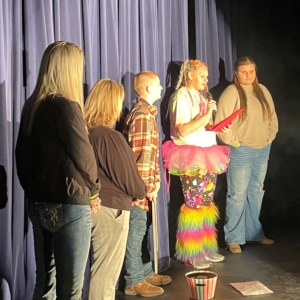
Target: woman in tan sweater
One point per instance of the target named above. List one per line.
(250, 139)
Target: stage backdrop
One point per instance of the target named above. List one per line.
(119, 38)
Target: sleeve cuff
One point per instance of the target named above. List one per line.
(94, 197)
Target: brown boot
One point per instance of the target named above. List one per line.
(144, 289)
(157, 279)
(234, 248)
(266, 241)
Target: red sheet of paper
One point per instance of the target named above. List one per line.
(224, 123)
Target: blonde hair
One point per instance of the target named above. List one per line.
(188, 66)
(104, 103)
(60, 73)
(142, 80)
(257, 91)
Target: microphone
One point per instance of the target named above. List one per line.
(209, 97)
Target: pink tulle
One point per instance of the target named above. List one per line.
(192, 160)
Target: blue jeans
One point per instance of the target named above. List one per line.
(245, 182)
(136, 271)
(62, 235)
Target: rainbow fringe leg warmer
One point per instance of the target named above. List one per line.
(196, 232)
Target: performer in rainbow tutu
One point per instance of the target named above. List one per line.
(194, 155)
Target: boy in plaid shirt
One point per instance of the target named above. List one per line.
(141, 131)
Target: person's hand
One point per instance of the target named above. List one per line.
(208, 126)
(226, 129)
(135, 201)
(211, 106)
(152, 196)
(95, 205)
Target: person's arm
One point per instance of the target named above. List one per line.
(74, 136)
(273, 122)
(153, 195)
(185, 122)
(24, 159)
(199, 121)
(139, 139)
(227, 104)
(273, 127)
(118, 161)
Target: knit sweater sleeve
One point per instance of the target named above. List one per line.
(273, 122)
(227, 104)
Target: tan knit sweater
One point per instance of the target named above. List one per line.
(255, 131)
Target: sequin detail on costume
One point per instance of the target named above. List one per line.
(198, 190)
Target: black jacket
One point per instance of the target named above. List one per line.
(117, 170)
(56, 162)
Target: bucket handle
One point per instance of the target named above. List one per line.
(200, 284)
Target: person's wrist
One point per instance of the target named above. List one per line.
(94, 197)
(237, 145)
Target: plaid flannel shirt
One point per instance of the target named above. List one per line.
(141, 131)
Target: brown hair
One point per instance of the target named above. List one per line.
(257, 91)
(104, 103)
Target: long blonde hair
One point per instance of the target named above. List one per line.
(104, 103)
(257, 91)
(60, 73)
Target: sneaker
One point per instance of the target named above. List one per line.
(157, 279)
(201, 264)
(215, 257)
(144, 289)
(234, 248)
(266, 241)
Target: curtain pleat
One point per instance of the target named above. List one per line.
(213, 38)
(179, 33)
(16, 251)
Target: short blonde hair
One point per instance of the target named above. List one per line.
(104, 103)
(142, 80)
(60, 73)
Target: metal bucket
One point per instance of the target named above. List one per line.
(202, 284)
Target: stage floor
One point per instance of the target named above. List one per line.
(276, 266)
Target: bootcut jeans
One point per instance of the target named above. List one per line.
(245, 190)
(62, 235)
(136, 270)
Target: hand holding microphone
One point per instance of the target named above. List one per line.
(211, 104)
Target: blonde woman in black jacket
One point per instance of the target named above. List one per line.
(57, 170)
